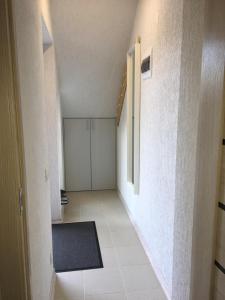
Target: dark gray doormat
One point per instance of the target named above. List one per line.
(76, 247)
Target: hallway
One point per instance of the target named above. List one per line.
(112, 113)
(127, 274)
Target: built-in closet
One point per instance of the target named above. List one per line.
(90, 153)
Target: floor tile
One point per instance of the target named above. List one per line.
(118, 221)
(125, 237)
(92, 215)
(104, 237)
(131, 255)
(69, 286)
(139, 278)
(155, 294)
(107, 297)
(109, 257)
(91, 208)
(102, 281)
(73, 216)
(113, 205)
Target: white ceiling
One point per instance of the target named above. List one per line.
(91, 39)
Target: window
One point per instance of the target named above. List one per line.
(133, 114)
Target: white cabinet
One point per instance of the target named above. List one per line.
(90, 154)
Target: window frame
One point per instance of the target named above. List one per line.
(133, 134)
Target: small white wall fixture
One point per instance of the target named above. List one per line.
(133, 114)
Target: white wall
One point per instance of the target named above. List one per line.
(28, 29)
(53, 121)
(159, 24)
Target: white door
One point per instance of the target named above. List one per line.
(103, 153)
(77, 139)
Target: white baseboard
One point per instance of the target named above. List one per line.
(146, 248)
(52, 288)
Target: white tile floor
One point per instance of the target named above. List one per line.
(127, 273)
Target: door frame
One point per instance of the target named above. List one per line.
(218, 190)
(17, 120)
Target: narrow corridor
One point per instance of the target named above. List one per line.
(127, 273)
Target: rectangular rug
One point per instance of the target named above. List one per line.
(76, 247)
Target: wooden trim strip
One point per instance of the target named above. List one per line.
(121, 97)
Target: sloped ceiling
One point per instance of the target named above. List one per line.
(91, 39)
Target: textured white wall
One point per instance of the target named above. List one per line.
(180, 140)
(53, 121)
(159, 24)
(187, 134)
(31, 78)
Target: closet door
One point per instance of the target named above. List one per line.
(103, 153)
(77, 154)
